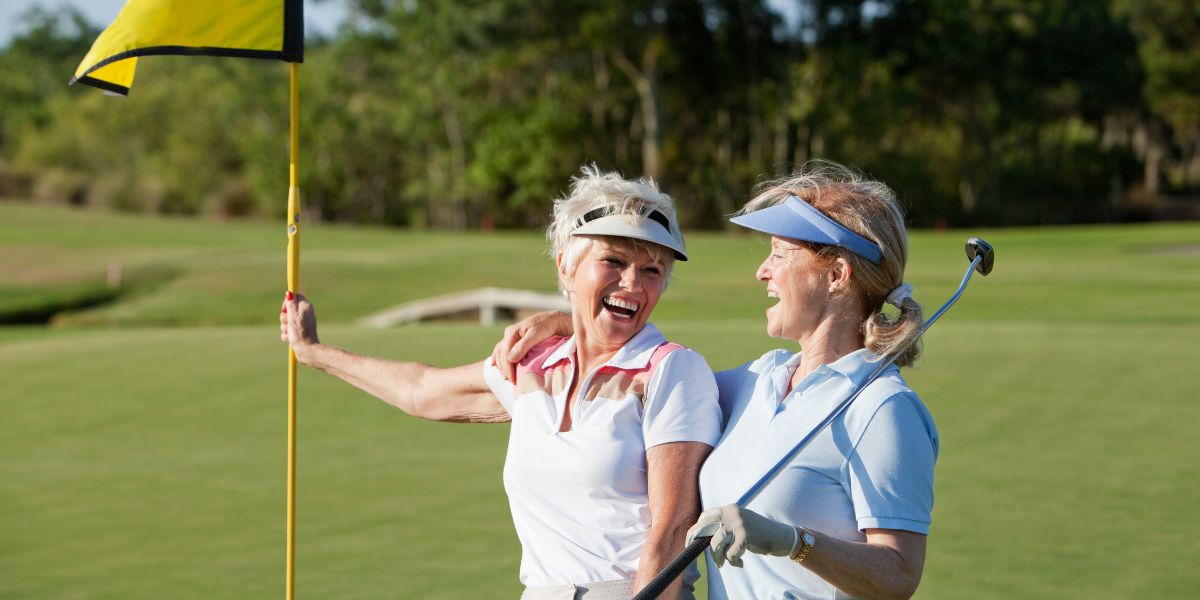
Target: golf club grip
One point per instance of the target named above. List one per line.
(673, 569)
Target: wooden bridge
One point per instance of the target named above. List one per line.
(488, 304)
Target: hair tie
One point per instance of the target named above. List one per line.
(897, 296)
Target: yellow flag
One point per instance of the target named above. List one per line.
(240, 28)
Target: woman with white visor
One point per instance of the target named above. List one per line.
(850, 515)
(609, 426)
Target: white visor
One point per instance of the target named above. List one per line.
(638, 227)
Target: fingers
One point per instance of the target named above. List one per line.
(521, 337)
(284, 321)
(706, 526)
(500, 359)
(504, 355)
(712, 523)
(294, 308)
(736, 549)
(521, 347)
(734, 535)
(719, 544)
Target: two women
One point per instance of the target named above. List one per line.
(609, 426)
(849, 516)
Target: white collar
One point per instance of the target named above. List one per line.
(634, 355)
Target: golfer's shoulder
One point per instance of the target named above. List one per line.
(536, 359)
(675, 356)
(747, 374)
(889, 403)
(673, 363)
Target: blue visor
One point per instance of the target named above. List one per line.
(798, 220)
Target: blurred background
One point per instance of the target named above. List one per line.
(143, 387)
(467, 115)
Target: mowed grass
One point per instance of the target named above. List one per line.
(147, 461)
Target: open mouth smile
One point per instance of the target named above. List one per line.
(621, 309)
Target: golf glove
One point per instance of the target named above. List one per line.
(735, 530)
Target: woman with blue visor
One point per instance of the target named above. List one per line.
(849, 516)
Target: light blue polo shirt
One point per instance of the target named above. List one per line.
(871, 468)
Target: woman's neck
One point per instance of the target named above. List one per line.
(833, 338)
(590, 353)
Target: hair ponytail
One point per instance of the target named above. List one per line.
(885, 335)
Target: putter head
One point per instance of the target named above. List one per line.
(978, 247)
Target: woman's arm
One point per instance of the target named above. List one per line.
(888, 565)
(457, 394)
(672, 471)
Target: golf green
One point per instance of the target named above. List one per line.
(144, 440)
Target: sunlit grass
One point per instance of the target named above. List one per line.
(148, 462)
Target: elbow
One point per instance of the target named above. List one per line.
(897, 582)
(419, 400)
(910, 588)
(903, 587)
(899, 591)
(907, 591)
(414, 406)
(669, 537)
(903, 591)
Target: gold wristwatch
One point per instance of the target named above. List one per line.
(807, 541)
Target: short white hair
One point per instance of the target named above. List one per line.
(593, 189)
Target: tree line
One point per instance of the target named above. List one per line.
(452, 114)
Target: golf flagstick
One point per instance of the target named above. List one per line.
(293, 286)
(981, 255)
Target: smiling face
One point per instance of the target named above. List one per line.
(801, 281)
(613, 290)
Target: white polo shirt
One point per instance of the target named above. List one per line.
(579, 498)
(871, 468)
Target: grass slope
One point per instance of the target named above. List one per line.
(148, 462)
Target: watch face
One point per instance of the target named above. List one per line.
(809, 538)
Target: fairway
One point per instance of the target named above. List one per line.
(144, 439)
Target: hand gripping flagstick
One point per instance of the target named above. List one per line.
(981, 255)
(293, 283)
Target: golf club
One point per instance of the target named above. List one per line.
(982, 255)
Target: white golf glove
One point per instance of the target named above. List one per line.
(735, 530)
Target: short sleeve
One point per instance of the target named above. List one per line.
(681, 401)
(504, 389)
(890, 473)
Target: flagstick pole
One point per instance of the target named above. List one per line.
(293, 281)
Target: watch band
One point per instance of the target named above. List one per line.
(805, 542)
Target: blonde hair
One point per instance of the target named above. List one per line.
(868, 208)
(593, 189)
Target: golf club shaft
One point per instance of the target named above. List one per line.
(673, 569)
(696, 548)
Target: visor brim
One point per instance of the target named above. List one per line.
(798, 220)
(629, 226)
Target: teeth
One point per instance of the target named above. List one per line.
(622, 304)
(772, 294)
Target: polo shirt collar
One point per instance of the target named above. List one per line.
(855, 367)
(858, 365)
(634, 355)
